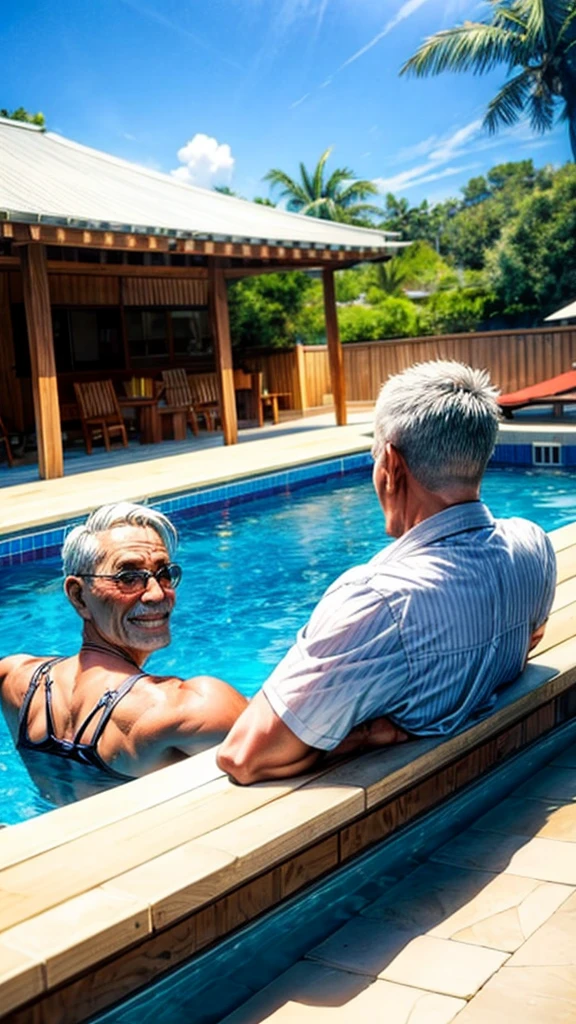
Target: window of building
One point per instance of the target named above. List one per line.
(147, 332)
(87, 339)
(84, 339)
(191, 333)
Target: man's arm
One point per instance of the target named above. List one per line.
(260, 746)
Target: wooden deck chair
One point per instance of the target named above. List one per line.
(248, 388)
(6, 440)
(176, 392)
(99, 412)
(205, 397)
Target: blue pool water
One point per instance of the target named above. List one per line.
(253, 572)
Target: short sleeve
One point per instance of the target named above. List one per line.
(339, 670)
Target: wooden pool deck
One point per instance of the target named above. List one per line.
(143, 472)
(102, 897)
(148, 471)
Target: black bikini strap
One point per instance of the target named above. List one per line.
(48, 697)
(107, 703)
(32, 687)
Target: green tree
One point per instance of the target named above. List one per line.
(390, 276)
(225, 190)
(338, 197)
(263, 309)
(538, 37)
(532, 269)
(20, 114)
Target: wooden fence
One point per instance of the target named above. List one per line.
(514, 360)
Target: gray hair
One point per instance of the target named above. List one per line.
(82, 552)
(443, 417)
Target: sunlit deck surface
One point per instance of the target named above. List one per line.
(145, 471)
(101, 897)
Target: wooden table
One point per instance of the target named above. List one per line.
(270, 400)
(149, 424)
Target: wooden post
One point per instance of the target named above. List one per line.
(300, 396)
(222, 350)
(44, 383)
(334, 347)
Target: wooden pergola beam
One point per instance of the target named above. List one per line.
(334, 347)
(218, 300)
(42, 359)
(295, 255)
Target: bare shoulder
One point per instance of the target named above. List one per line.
(182, 707)
(213, 698)
(14, 662)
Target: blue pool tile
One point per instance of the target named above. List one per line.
(45, 543)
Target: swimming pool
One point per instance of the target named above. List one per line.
(253, 572)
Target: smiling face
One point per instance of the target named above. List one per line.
(139, 623)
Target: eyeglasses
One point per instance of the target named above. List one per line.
(134, 581)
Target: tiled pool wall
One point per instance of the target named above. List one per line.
(31, 545)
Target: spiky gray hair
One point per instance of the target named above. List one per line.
(82, 552)
(443, 417)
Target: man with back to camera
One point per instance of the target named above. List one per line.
(419, 640)
(99, 708)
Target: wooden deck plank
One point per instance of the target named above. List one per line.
(21, 978)
(271, 834)
(69, 938)
(177, 882)
(566, 561)
(29, 838)
(565, 594)
(43, 881)
(255, 842)
(559, 628)
(563, 537)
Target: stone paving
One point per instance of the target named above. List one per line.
(483, 933)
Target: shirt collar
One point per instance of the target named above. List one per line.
(470, 515)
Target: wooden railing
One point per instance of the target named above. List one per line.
(514, 360)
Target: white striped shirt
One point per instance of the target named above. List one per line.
(425, 633)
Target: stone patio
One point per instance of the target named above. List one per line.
(483, 933)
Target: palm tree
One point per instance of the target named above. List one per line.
(337, 198)
(390, 277)
(536, 36)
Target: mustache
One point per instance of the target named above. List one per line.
(145, 612)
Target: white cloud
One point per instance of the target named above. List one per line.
(462, 143)
(407, 8)
(451, 146)
(205, 162)
(298, 102)
(418, 176)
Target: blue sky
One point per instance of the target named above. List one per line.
(219, 91)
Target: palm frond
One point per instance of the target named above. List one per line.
(543, 21)
(507, 105)
(472, 46)
(288, 187)
(357, 208)
(357, 190)
(541, 109)
(333, 186)
(319, 172)
(307, 183)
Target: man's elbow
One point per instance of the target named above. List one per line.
(241, 769)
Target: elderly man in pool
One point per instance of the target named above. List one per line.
(100, 707)
(418, 641)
